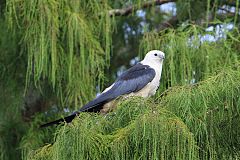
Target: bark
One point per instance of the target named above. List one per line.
(133, 8)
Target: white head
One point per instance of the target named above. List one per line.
(154, 56)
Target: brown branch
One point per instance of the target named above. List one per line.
(131, 9)
(225, 9)
(171, 23)
(229, 3)
(224, 16)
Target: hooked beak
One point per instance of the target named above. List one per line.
(162, 57)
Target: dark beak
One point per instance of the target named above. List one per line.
(162, 57)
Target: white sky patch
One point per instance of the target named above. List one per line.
(215, 33)
(226, 9)
(207, 37)
(169, 8)
(141, 13)
(98, 90)
(127, 29)
(66, 110)
(220, 31)
(121, 70)
(144, 26)
(209, 29)
(134, 61)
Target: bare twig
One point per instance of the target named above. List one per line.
(229, 3)
(171, 23)
(131, 9)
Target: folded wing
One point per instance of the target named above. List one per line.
(132, 80)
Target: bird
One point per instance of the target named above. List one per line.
(142, 80)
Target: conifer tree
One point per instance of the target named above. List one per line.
(55, 55)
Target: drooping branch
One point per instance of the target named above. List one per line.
(133, 8)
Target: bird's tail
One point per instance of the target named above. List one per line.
(92, 106)
(65, 119)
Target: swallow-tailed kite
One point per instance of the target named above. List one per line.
(140, 80)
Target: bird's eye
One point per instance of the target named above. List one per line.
(155, 54)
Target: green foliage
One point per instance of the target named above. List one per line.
(190, 122)
(62, 48)
(51, 45)
(34, 137)
(67, 44)
(188, 58)
(211, 109)
(191, 9)
(12, 78)
(137, 127)
(11, 125)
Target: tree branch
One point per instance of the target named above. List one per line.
(171, 23)
(131, 9)
(230, 3)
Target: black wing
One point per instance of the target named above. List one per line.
(132, 80)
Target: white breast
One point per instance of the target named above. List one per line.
(151, 88)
